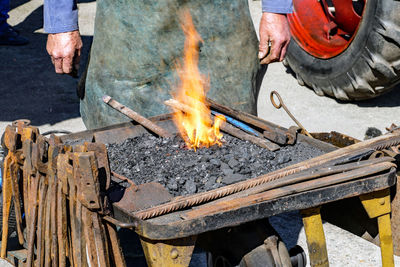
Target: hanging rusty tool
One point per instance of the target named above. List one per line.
(7, 190)
(282, 105)
(136, 116)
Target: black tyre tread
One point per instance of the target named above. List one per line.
(375, 70)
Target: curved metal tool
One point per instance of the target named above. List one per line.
(282, 105)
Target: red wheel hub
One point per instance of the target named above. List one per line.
(325, 28)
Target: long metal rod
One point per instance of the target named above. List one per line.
(336, 156)
(290, 189)
(236, 132)
(135, 116)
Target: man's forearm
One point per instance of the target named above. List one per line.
(277, 6)
(60, 16)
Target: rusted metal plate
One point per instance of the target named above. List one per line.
(336, 139)
(86, 178)
(143, 196)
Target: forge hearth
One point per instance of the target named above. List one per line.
(182, 171)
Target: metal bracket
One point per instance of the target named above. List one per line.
(177, 252)
(377, 205)
(315, 237)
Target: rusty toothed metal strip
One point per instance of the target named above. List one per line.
(334, 157)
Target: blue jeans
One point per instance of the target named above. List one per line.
(4, 9)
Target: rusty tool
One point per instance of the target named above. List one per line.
(9, 187)
(28, 136)
(7, 195)
(53, 152)
(86, 177)
(227, 127)
(118, 256)
(282, 105)
(89, 237)
(341, 155)
(136, 116)
(64, 169)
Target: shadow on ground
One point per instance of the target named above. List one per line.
(29, 87)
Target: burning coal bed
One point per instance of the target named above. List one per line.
(182, 171)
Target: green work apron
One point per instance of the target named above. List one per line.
(137, 43)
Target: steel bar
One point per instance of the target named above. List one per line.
(290, 189)
(136, 116)
(337, 156)
(236, 132)
(227, 127)
(304, 176)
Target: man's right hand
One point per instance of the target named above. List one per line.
(65, 51)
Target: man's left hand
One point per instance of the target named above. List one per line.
(274, 29)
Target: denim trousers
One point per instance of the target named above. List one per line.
(4, 9)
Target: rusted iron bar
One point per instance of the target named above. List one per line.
(290, 189)
(303, 176)
(136, 116)
(119, 223)
(271, 131)
(236, 132)
(123, 178)
(334, 157)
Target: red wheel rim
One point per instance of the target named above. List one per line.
(325, 28)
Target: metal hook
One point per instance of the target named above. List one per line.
(282, 105)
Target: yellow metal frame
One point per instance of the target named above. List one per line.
(168, 253)
(376, 204)
(315, 237)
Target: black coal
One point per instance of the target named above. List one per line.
(183, 172)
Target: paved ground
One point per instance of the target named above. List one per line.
(31, 90)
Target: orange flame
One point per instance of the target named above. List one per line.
(196, 126)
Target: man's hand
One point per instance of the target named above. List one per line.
(65, 51)
(274, 29)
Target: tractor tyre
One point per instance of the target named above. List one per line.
(343, 58)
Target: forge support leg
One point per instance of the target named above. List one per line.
(377, 205)
(315, 237)
(166, 253)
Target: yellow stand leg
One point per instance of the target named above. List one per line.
(168, 253)
(315, 237)
(377, 205)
